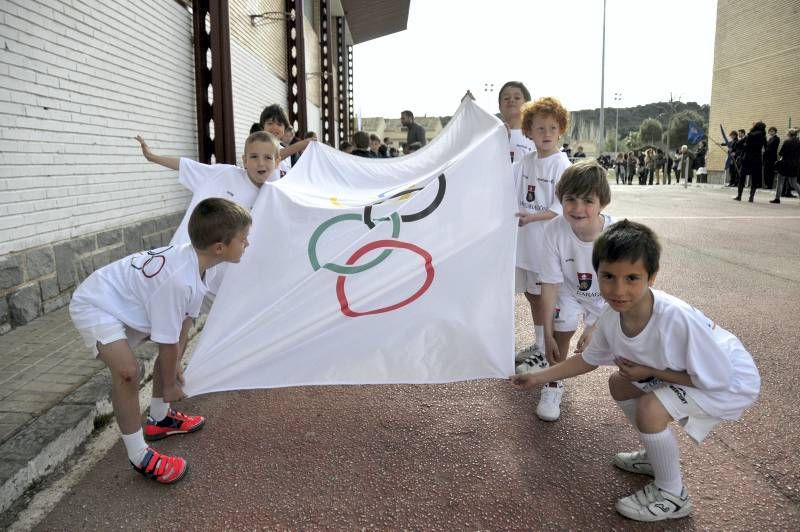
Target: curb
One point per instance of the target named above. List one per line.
(52, 438)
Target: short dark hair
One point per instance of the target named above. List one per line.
(373, 136)
(583, 179)
(516, 84)
(773, 128)
(216, 220)
(262, 136)
(255, 127)
(628, 241)
(407, 113)
(361, 140)
(275, 113)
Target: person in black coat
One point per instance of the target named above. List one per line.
(752, 162)
(788, 166)
(770, 156)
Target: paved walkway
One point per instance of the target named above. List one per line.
(52, 395)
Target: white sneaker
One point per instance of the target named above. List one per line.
(651, 503)
(635, 462)
(533, 361)
(549, 408)
(522, 354)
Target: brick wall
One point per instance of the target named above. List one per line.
(42, 279)
(756, 68)
(254, 87)
(78, 80)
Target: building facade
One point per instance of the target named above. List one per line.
(756, 70)
(79, 80)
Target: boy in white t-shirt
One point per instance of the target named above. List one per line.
(536, 176)
(675, 364)
(151, 294)
(513, 95)
(240, 185)
(569, 282)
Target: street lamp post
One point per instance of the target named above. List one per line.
(602, 87)
(617, 103)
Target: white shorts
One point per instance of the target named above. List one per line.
(97, 326)
(678, 402)
(527, 281)
(569, 310)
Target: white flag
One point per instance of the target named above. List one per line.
(373, 270)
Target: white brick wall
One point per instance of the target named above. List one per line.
(254, 87)
(78, 80)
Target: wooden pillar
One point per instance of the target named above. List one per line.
(296, 66)
(213, 91)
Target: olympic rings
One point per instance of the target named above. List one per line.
(350, 268)
(429, 272)
(409, 217)
(338, 268)
(154, 270)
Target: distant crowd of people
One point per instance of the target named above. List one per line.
(653, 166)
(756, 157)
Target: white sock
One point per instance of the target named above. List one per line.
(539, 330)
(664, 455)
(136, 446)
(158, 409)
(628, 407)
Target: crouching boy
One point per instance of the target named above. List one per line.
(675, 364)
(151, 294)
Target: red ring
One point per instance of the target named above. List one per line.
(160, 266)
(345, 305)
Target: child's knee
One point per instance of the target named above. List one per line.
(621, 389)
(651, 416)
(127, 373)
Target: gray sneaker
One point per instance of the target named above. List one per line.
(635, 462)
(522, 354)
(533, 361)
(651, 503)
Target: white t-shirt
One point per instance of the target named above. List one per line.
(567, 260)
(212, 181)
(535, 179)
(519, 145)
(150, 291)
(681, 338)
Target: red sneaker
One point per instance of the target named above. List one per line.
(174, 423)
(162, 468)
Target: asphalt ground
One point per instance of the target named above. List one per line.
(473, 455)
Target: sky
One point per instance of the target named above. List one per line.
(654, 48)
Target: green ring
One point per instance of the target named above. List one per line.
(338, 268)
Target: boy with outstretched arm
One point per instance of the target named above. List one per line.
(675, 364)
(240, 185)
(569, 282)
(150, 294)
(536, 176)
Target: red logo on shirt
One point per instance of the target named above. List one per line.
(584, 281)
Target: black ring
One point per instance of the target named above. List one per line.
(409, 217)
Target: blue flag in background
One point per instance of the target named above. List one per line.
(695, 133)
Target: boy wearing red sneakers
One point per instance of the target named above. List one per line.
(674, 364)
(150, 294)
